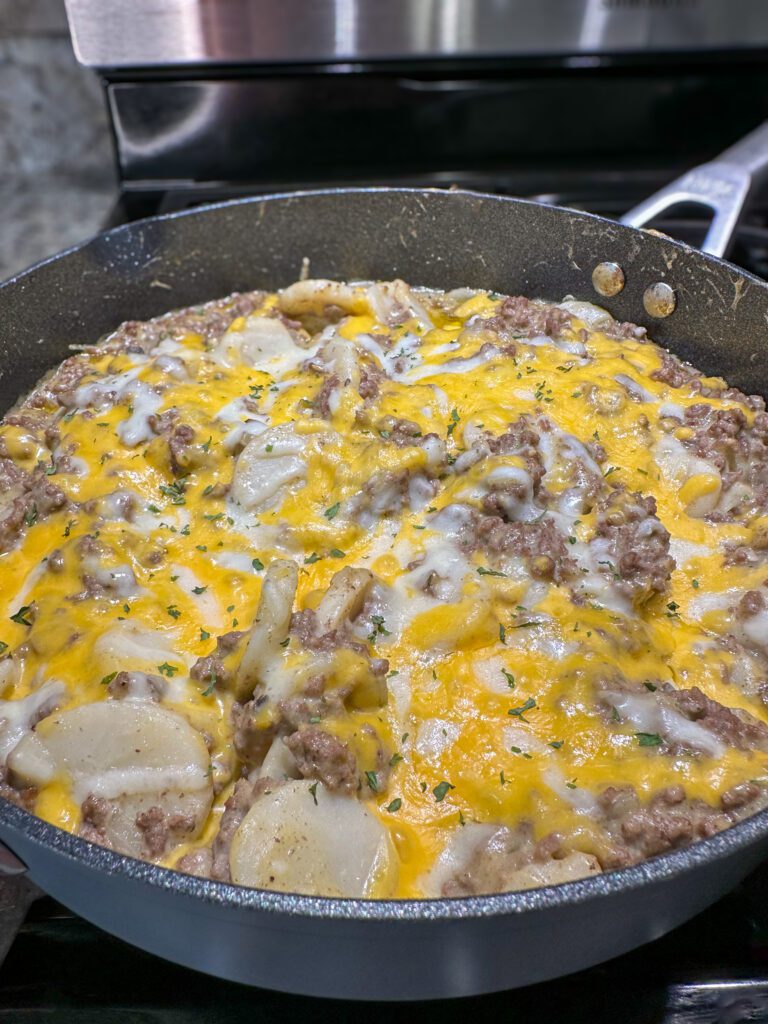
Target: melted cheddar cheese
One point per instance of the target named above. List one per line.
(526, 619)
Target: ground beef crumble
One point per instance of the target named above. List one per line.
(25, 498)
(210, 321)
(668, 821)
(634, 543)
(213, 861)
(733, 726)
(520, 317)
(320, 755)
(679, 374)
(158, 829)
(540, 543)
(211, 669)
(23, 796)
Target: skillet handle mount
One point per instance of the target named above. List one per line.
(724, 185)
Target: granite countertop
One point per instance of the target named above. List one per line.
(46, 212)
(58, 181)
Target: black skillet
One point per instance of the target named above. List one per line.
(699, 306)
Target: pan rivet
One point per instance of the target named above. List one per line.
(659, 300)
(608, 279)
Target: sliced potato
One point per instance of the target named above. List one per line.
(267, 343)
(134, 756)
(263, 342)
(297, 839)
(267, 464)
(9, 673)
(123, 833)
(266, 340)
(279, 763)
(17, 716)
(314, 296)
(392, 301)
(553, 872)
(344, 598)
(342, 358)
(111, 748)
(595, 317)
(260, 663)
(485, 858)
(128, 646)
(461, 845)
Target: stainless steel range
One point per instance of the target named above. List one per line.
(590, 103)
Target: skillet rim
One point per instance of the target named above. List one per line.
(663, 868)
(640, 234)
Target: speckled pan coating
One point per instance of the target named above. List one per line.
(385, 949)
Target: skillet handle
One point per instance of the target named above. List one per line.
(724, 185)
(16, 895)
(10, 865)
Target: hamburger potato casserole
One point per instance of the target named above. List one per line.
(366, 590)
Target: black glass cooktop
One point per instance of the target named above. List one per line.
(713, 970)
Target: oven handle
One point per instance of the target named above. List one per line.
(725, 184)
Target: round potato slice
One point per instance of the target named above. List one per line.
(114, 748)
(130, 647)
(144, 768)
(553, 872)
(298, 839)
(268, 463)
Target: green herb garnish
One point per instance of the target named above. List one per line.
(441, 789)
(378, 628)
(519, 712)
(20, 615)
(648, 739)
(175, 492)
(509, 677)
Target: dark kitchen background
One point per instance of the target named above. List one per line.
(588, 103)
